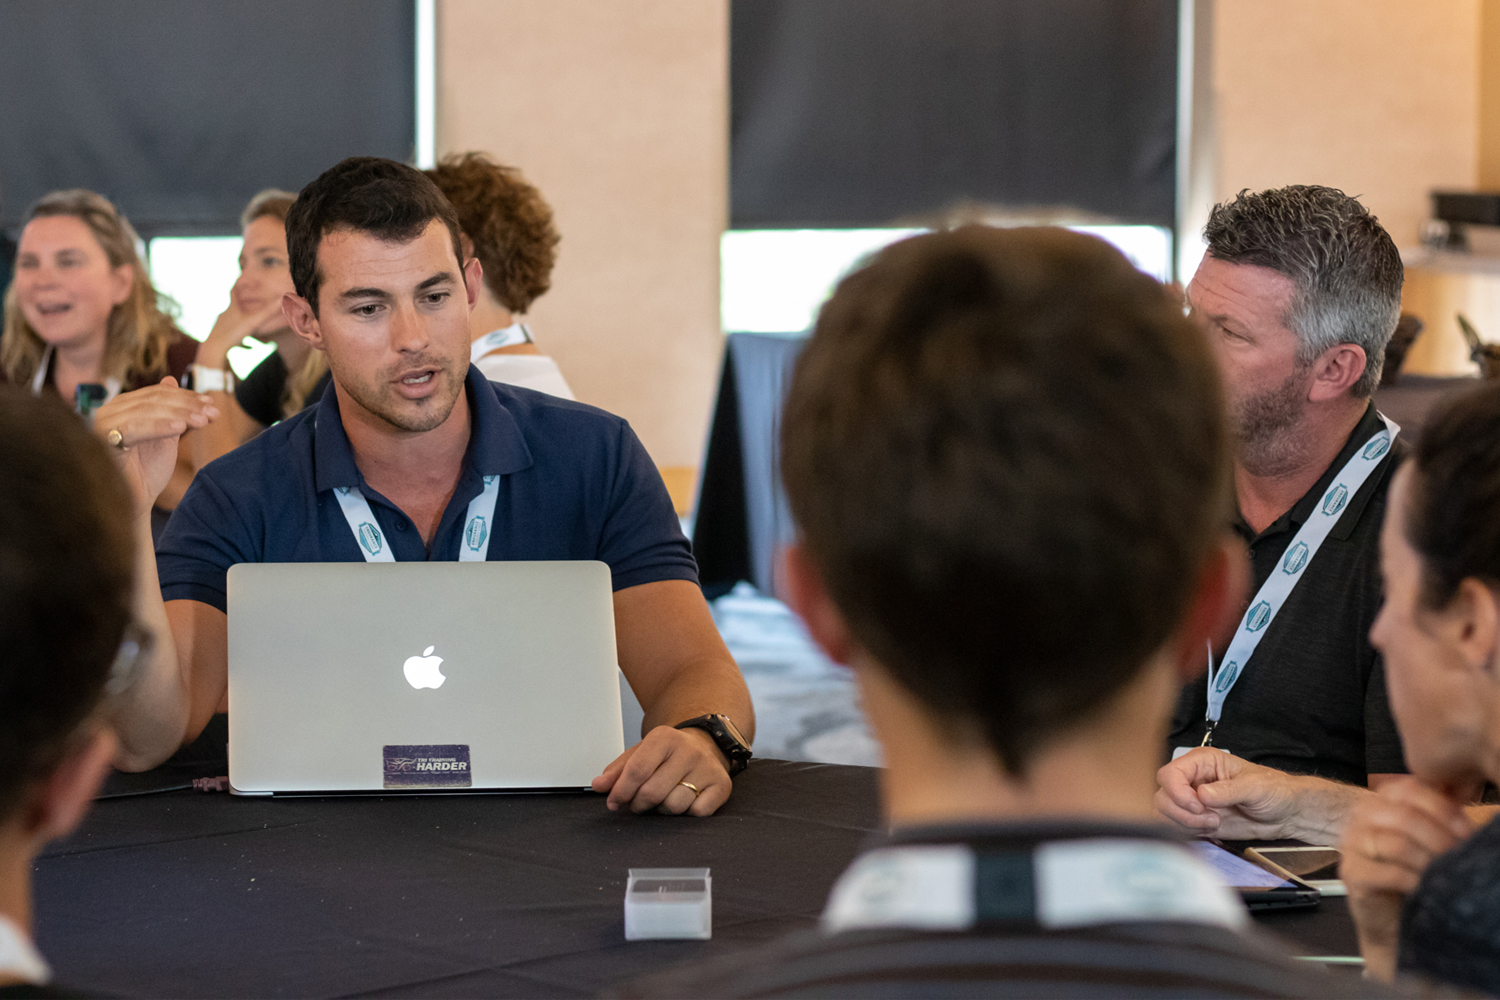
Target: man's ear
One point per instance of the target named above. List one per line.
(301, 318)
(122, 279)
(808, 597)
(63, 797)
(1474, 618)
(473, 277)
(1336, 371)
(1214, 609)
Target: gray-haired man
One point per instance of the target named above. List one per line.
(1299, 293)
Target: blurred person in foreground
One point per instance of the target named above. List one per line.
(1298, 293)
(507, 226)
(66, 565)
(1424, 889)
(1007, 455)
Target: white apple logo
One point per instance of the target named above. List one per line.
(422, 671)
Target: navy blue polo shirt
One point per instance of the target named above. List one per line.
(575, 483)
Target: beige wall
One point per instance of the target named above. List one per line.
(1377, 97)
(618, 111)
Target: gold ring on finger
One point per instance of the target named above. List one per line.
(1371, 849)
(115, 438)
(691, 787)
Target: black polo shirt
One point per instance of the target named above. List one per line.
(1312, 697)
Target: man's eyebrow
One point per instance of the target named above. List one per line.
(437, 279)
(365, 293)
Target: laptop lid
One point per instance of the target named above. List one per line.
(432, 676)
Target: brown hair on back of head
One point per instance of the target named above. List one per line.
(66, 578)
(1006, 452)
(508, 222)
(139, 331)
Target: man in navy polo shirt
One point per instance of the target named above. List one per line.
(390, 463)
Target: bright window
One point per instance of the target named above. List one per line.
(197, 272)
(775, 280)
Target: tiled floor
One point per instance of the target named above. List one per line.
(805, 706)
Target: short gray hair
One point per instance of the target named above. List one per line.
(1344, 264)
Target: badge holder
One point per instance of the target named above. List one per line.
(663, 903)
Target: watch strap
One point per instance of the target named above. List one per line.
(724, 734)
(207, 379)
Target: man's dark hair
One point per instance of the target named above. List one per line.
(1346, 268)
(1006, 452)
(1455, 493)
(391, 201)
(66, 558)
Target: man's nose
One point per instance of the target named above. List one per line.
(408, 332)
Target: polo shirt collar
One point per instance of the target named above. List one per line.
(1369, 425)
(496, 444)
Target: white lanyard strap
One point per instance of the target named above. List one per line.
(508, 336)
(478, 523)
(1072, 883)
(1278, 586)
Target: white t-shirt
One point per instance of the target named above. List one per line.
(18, 956)
(529, 371)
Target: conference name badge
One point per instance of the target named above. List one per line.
(434, 765)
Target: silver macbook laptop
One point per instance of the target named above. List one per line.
(421, 677)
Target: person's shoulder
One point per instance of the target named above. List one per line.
(264, 454)
(1081, 963)
(564, 422)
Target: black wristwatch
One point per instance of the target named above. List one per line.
(726, 736)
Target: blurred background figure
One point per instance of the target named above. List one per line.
(508, 226)
(81, 311)
(66, 575)
(284, 382)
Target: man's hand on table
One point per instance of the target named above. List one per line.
(1213, 793)
(1389, 840)
(651, 774)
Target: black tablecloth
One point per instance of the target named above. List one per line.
(192, 894)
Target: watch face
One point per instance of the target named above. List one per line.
(734, 731)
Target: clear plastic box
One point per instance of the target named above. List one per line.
(668, 903)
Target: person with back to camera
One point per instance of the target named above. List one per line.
(81, 310)
(273, 389)
(507, 227)
(1424, 888)
(1298, 293)
(1006, 453)
(412, 432)
(66, 575)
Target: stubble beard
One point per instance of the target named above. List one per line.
(380, 398)
(1267, 427)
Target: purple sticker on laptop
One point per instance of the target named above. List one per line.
(432, 765)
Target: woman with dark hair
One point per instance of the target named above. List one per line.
(1424, 888)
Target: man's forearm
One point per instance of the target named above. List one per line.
(1322, 809)
(701, 689)
(151, 713)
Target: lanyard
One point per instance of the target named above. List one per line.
(1061, 883)
(1274, 592)
(509, 336)
(471, 548)
(111, 385)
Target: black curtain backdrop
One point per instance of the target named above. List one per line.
(180, 110)
(848, 113)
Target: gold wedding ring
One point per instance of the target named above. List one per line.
(1371, 849)
(691, 787)
(115, 439)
